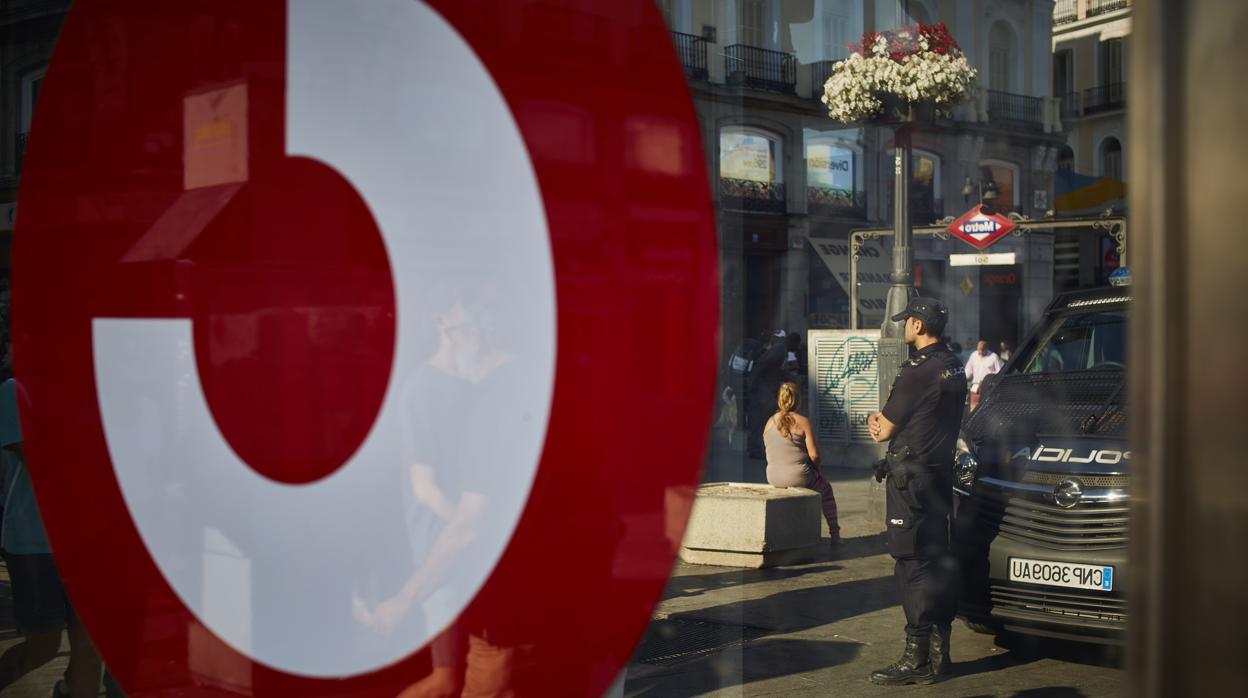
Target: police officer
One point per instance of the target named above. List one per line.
(920, 421)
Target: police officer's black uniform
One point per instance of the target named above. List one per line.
(925, 405)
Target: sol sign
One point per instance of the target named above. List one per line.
(323, 311)
(980, 229)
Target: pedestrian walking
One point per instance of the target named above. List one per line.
(793, 455)
(981, 364)
(920, 422)
(41, 606)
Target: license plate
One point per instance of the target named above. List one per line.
(1062, 574)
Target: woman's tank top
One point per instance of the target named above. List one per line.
(787, 462)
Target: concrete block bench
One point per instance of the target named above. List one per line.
(737, 524)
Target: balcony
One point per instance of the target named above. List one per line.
(1069, 11)
(749, 195)
(1016, 110)
(820, 71)
(1100, 7)
(1104, 98)
(760, 68)
(19, 150)
(1065, 12)
(692, 52)
(836, 202)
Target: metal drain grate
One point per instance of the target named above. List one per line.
(677, 640)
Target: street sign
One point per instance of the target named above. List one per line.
(979, 260)
(323, 311)
(980, 229)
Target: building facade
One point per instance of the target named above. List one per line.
(792, 184)
(28, 30)
(1091, 39)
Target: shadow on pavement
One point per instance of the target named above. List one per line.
(758, 660)
(1046, 692)
(798, 609)
(695, 584)
(862, 546)
(987, 665)
(1087, 653)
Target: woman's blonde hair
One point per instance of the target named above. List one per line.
(787, 402)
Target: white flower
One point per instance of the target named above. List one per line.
(853, 92)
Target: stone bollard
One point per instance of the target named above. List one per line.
(736, 524)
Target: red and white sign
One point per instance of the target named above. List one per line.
(329, 312)
(980, 229)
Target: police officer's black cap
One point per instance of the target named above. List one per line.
(932, 312)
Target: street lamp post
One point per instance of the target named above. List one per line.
(893, 348)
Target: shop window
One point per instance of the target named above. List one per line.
(834, 174)
(1004, 177)
(926, 204)
(750, 175)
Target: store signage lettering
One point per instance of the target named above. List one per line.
(981, 259)
(840, 249)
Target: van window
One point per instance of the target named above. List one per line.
(1084, 341)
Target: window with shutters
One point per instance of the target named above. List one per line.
(1111, 62)
(1000, 58)
(1111, 159)
(835, 35)
(751, 22)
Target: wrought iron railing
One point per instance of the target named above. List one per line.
(836, 202)
(19, 151)
(1105, 97)
(1019, 110)
(749, 195)
(1065, 11)
(1100, 7)
(692, 51)
(760, 68)
(820, 71)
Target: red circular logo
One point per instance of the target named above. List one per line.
(348, 329)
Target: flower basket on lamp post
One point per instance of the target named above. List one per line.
(899, 78)
(902, 76)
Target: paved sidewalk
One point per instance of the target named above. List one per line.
(819, 629)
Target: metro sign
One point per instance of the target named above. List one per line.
(324, 313)
(979, 229)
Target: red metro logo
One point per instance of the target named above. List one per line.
(979, 229)
(325, 311)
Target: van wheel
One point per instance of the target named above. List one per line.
(981, 628)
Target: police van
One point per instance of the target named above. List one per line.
(1040, 480)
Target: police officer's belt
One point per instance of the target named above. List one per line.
(902, 465)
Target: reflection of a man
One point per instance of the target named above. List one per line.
(443, 504)
(440, 501)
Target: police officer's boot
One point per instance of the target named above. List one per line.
(941, 663)
(913, 667)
